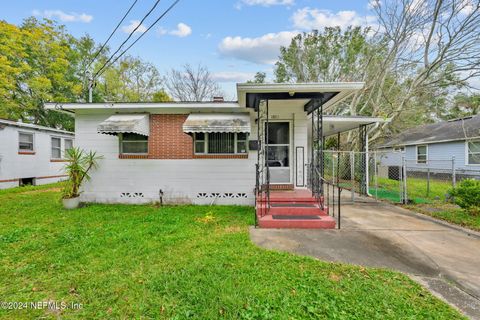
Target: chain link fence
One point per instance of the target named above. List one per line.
(388, 175)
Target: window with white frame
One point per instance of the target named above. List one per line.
(220, 143)
(422, 154)
(67, 145)
(25, 141)
(473, 149)
(56, 148)
(132, 143)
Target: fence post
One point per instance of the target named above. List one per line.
(404, 175)
(376, 173)
(454, 173)
(333, 167)
(428, 182)
(352, 175)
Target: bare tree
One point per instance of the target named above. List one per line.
(192, 84)
(430, 44)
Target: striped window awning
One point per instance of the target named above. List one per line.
(217, 122)
(126, 123)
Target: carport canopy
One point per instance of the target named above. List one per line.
(336, 124)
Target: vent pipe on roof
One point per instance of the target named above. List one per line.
(217, 99)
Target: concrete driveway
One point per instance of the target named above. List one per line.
(442, 258)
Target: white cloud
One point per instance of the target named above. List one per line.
(265, 49)
(63, 16)
(262, 50)
(182, 30)
(374, 4)
(232, 76)
(467, 7)
(308, 19)
(134, 24)
(265, 3)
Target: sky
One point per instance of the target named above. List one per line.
(233, 38)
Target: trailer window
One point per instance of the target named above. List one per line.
(56, 148)
(25, 141)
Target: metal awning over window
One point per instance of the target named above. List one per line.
(126, 123)
(217, 122)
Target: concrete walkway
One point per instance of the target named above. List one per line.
(442, 258)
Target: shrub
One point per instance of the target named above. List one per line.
(79, 164)
(474, 211)
(467, 194)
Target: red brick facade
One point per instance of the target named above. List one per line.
(167, 139)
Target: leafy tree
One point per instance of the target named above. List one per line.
(130, 79)
(37, 65)
(161, 96)
(258, 78)
(331, 55)
(465, 105)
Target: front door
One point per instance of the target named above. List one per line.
(278, 153)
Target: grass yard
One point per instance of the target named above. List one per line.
(185, 262)
(448, 212)
(417, 190)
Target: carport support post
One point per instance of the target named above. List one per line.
(352, 174)
(338, 158)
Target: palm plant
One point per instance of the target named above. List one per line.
(79, 165)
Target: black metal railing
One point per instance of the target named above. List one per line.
(328, 194)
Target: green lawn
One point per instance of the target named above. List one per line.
(193, 262)
(448, 212)
(417, 190)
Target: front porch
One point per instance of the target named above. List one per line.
(291, 127)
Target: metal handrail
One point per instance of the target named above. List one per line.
(320, 197)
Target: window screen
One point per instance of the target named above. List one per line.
(56, 148)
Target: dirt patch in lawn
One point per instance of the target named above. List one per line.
(56, 189)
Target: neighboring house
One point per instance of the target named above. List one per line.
(453, 144)
(204, 152)
(31, 154)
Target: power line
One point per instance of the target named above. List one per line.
(111, 34)
(99, 72)
(128, 38)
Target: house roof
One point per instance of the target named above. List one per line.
(452, 130)
(332, 93)
(11, 123)
(147, 106)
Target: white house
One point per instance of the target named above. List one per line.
(31, 154)
(212, 152)
(441, 147)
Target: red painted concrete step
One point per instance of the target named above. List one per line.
(296, 209)
(298, 195)
(323, 222)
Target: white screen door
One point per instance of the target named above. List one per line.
(278, 153)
